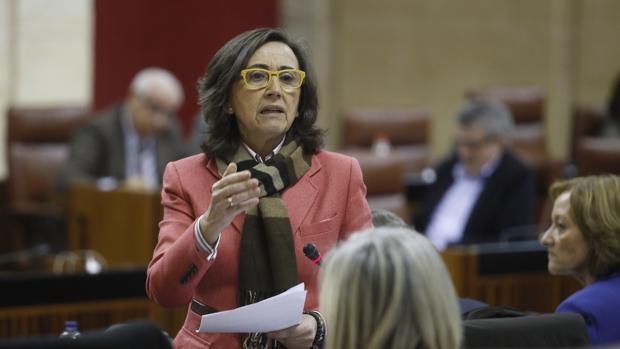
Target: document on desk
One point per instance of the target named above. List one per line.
(271, 314)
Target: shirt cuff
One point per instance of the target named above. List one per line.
(202, 243)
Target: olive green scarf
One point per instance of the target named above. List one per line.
(267, 264)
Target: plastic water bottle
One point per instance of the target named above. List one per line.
(381, 145)
(71, 330)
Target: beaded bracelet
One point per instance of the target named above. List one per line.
(319, 337)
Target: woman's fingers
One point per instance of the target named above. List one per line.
(243, 206)
(231, 168)
(238, 191)
(234, 193)
(229, 176)
(234, 187)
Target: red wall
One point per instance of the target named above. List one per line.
(181, 36)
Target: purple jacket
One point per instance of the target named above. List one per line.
(599, 304)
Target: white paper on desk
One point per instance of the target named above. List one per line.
(271, 314)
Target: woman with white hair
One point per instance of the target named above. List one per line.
(388, 288)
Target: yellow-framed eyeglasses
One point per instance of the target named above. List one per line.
(257, 78)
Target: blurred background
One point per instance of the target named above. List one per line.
(552, 61)
(367, 54)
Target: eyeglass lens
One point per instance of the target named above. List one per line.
(260, 78)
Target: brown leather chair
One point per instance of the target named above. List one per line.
(587, 121)
(407, 130)
(595, 155)
(592, 154)
(37, 148)
(383, 176)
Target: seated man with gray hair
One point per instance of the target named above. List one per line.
(131, 143)
(482, 189)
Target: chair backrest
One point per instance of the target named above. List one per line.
(596, 155)
(408, 131)
(38, 147)
(526, 103)
(587, 121)
(383, 176)
(561, 330)
(405, 126)
(591, 153)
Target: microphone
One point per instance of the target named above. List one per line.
(313, 254)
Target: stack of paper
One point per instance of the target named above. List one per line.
(271, 314)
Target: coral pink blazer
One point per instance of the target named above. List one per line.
(326, 205)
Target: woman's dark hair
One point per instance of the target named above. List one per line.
(214, 94)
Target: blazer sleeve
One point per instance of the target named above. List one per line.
(86, 153)
(177, 265)
(357, 211)
(519, 207)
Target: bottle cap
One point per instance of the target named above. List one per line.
(381, 135)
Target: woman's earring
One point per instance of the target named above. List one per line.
(230, 110)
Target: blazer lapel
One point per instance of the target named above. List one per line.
(300, 197)
(117, 142)
(478, 223)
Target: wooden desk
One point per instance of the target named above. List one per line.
(37, 303)
(508, 274)
(121, 225)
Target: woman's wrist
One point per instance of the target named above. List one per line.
(319, 337)
(208, 234)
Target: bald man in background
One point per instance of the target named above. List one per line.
(130, 144)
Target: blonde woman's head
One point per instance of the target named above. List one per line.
(388, 288)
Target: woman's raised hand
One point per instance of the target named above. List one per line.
(234, 193)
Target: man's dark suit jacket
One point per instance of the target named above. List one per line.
(98, 149)
(507, 200)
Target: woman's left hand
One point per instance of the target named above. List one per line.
(299, 336)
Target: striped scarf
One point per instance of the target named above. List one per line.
(267, 264)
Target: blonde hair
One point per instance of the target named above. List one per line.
(595, 208)
(388, 288)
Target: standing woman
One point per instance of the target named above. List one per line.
(236, 218)
(584, 241)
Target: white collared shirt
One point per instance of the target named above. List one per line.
(140, 154)
(258, 158)
(449, 219)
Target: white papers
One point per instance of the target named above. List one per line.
(271, 314)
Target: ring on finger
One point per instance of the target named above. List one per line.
(230, 202)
